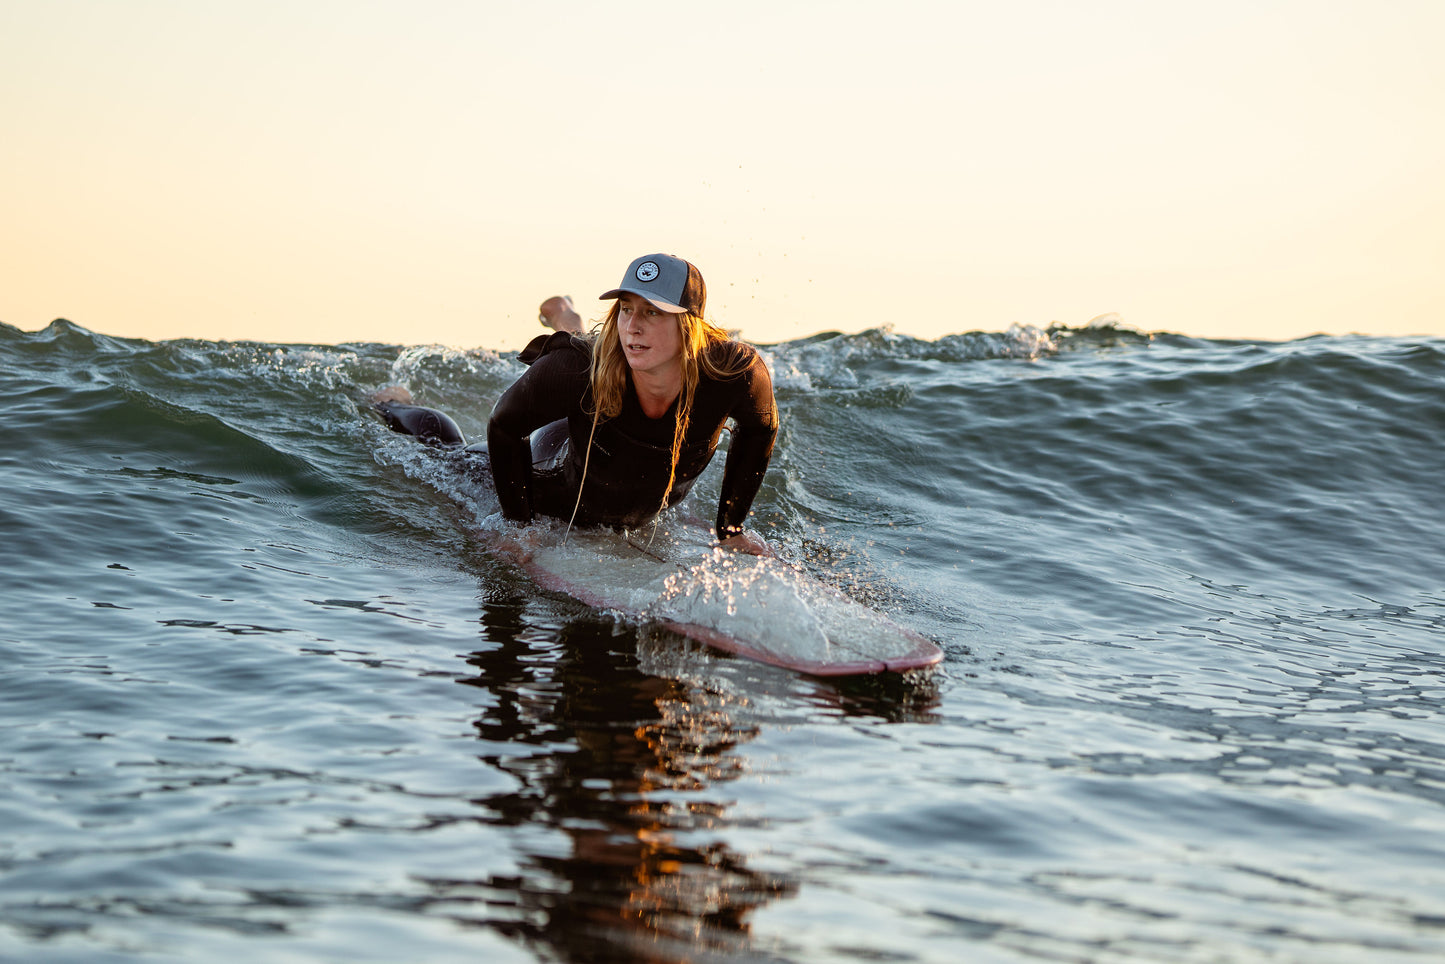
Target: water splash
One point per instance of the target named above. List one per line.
(751, 598)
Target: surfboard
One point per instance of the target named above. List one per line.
(759, 608)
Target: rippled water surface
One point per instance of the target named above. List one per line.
(267, 696)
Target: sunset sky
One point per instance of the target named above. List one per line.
(426, 172)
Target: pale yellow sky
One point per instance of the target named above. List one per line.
(426, 172)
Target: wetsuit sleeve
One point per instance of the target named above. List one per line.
(546, 392)
(755, 428)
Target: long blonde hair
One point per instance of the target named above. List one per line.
(609, 376)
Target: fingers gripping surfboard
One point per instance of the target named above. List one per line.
(759, 608)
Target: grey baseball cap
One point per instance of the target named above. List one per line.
(660, 278)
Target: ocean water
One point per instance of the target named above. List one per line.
(268, 696)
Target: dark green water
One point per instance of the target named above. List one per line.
(266, 696)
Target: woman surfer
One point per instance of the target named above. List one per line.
(615, 428)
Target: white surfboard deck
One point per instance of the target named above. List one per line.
(760, 608)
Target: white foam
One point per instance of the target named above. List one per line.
(752, 599)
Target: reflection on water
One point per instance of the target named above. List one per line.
(619, 799)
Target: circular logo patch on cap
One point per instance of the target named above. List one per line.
(648, 271)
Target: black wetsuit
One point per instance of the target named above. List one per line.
(538, 433)
(627, 471)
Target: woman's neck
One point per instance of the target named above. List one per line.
(656, 391)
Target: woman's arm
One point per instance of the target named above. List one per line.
(755, 420)
(546, 392)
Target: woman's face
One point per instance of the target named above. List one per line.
(651, 338)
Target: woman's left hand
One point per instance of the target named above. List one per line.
(747, 542)
(516, 549)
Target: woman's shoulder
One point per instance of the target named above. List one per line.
(730, 357)
(559, 344)
(737, 377)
